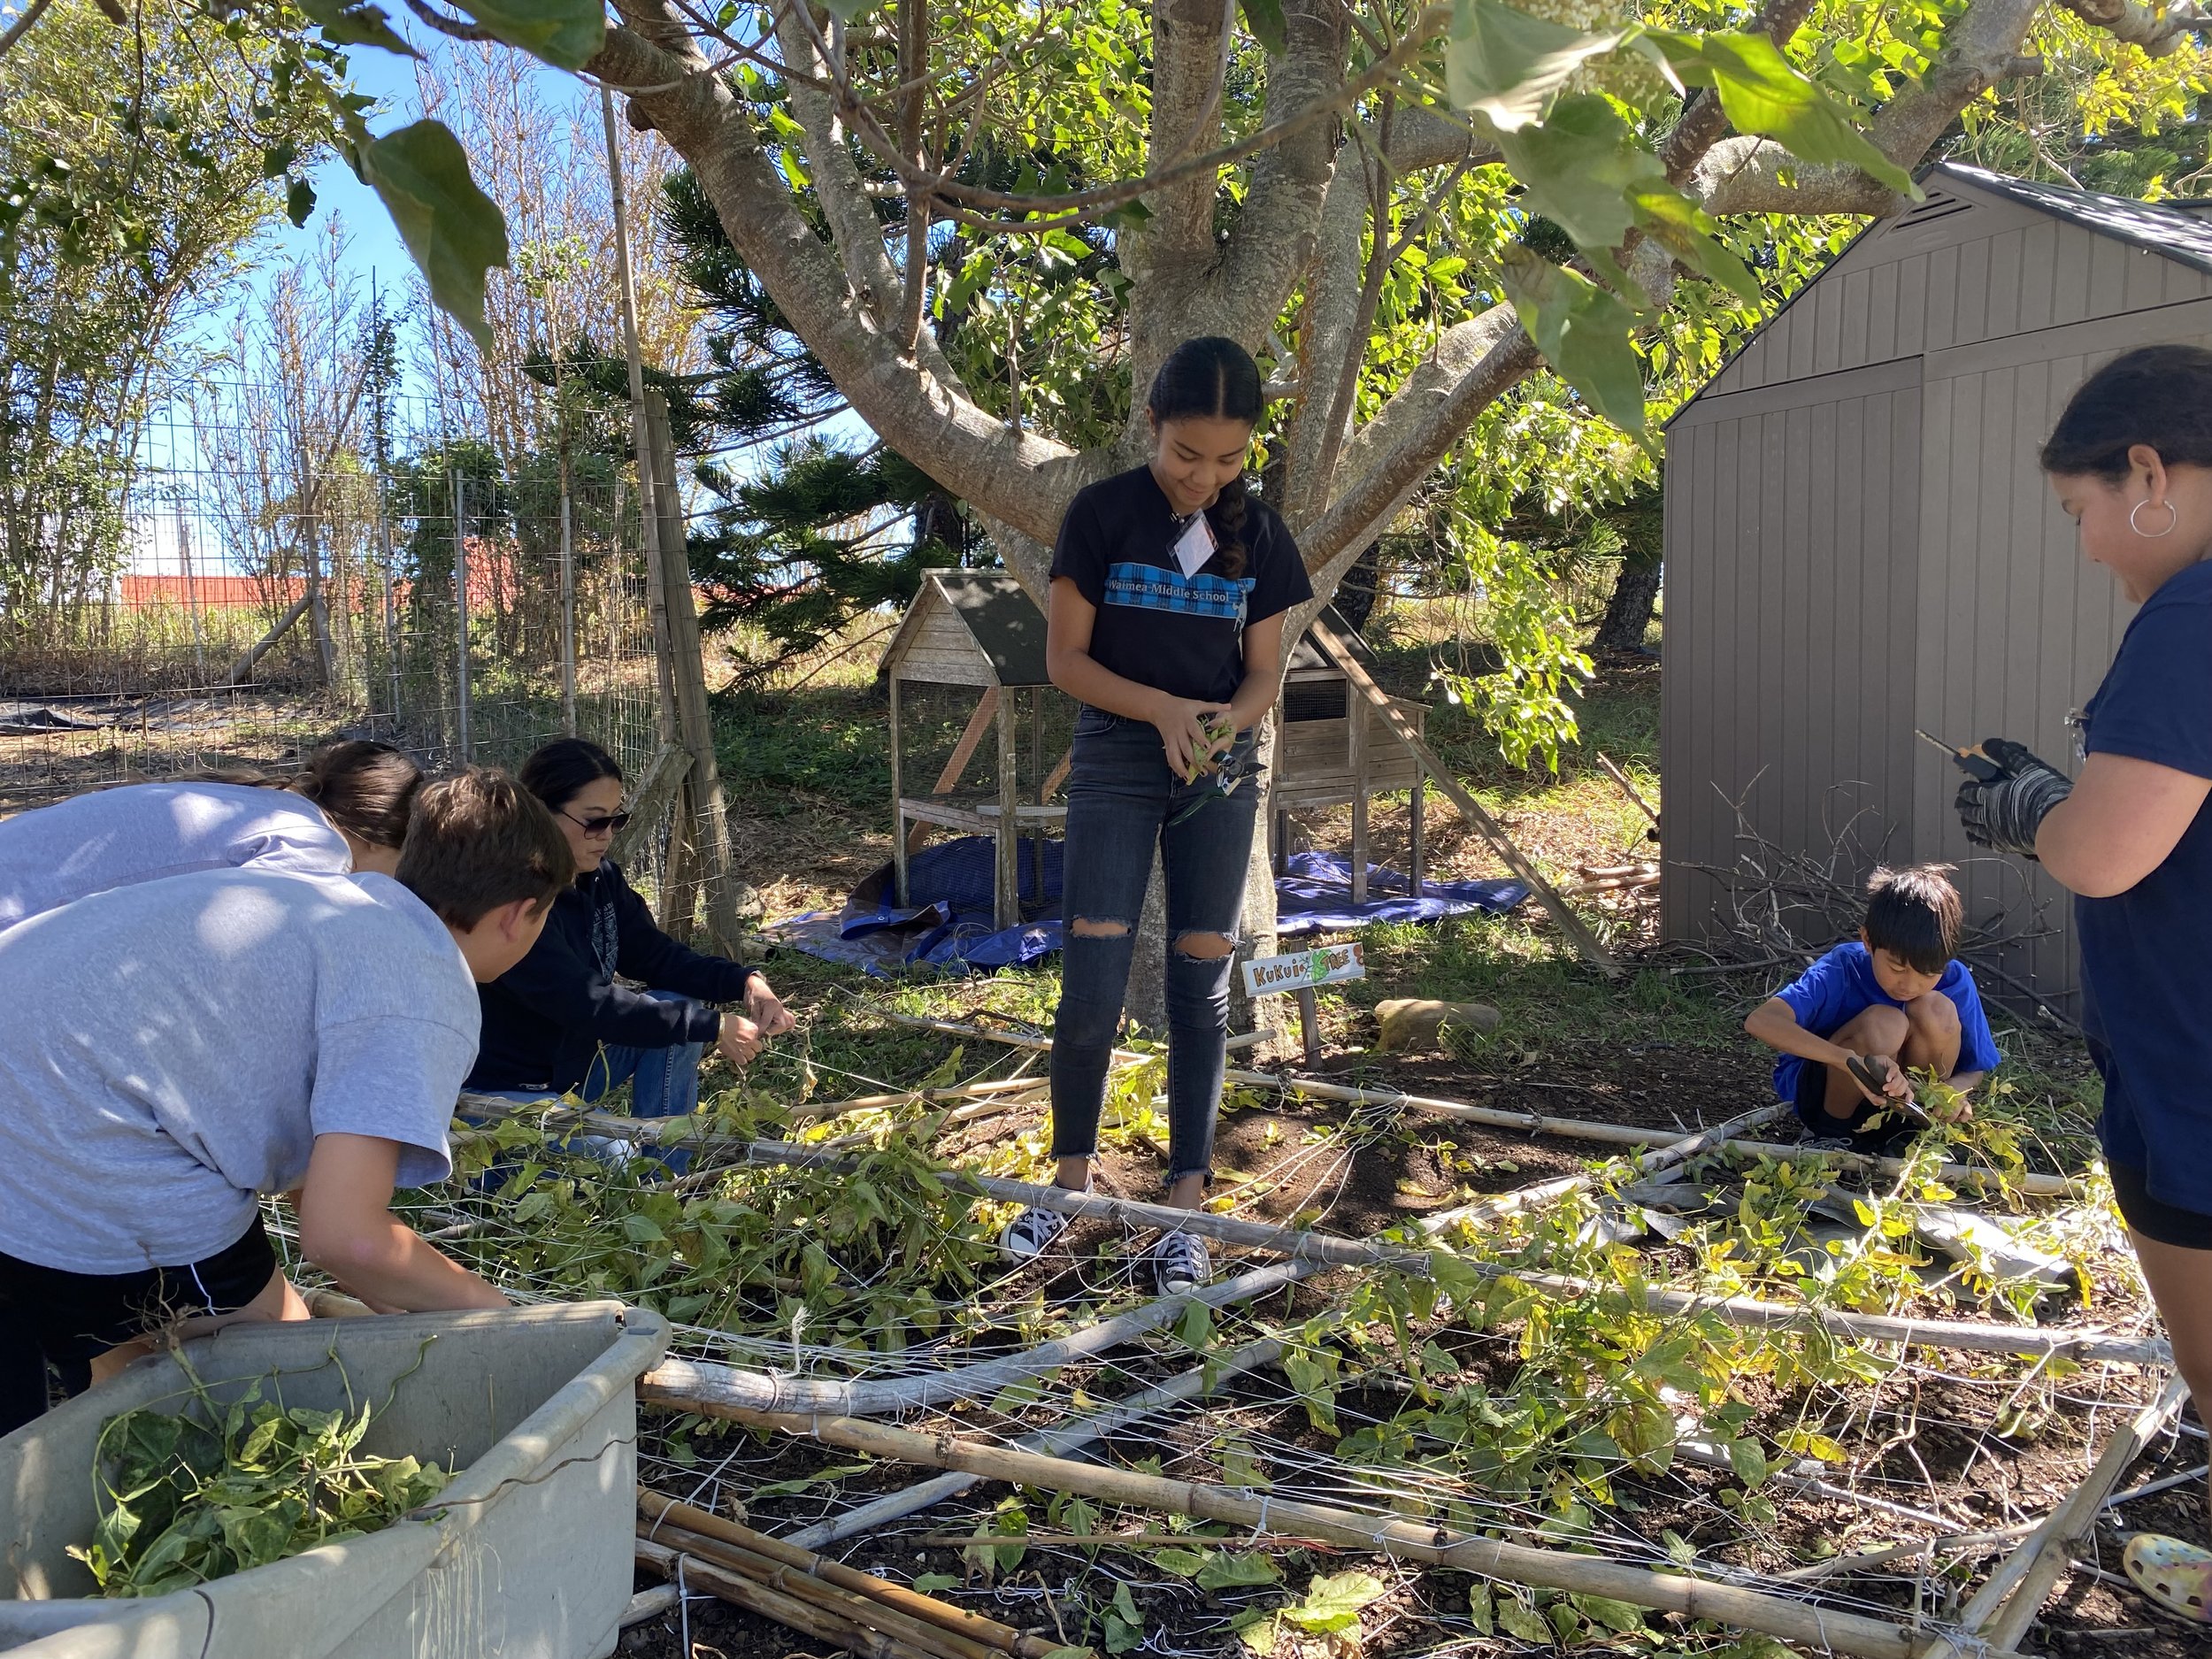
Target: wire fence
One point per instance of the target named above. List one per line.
(258, 582)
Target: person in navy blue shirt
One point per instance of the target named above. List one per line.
(1172, 584)
(2131, 462)
(1896, 997)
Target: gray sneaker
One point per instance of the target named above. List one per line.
(1031, 1233)
(1180, 1264)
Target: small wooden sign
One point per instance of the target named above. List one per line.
(1327, 964)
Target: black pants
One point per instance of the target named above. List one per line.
(2155, 1219)
(50, 1314)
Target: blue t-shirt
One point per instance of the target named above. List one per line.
(1182, 634)
(2146, 953)
(1841, 985)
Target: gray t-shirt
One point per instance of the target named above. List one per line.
(172, 1050)
(111, 838)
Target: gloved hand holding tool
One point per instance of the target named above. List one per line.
(2006, 795)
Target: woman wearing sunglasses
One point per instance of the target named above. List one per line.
(559, 1022)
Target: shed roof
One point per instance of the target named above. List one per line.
(1002, 619)
(2176, 233)
(2179, 236)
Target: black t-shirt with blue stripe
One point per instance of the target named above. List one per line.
(1177, 634)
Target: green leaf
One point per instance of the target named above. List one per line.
(1583, 332)
(1748, 1459)
(362, 25)
(1264, 18)
(564, 33)
(1184, 1563)
(1618, 1617)
(929, 1583)
(1505, 65)
(1229, 1569)
(1333, 1601)
(1515, 1618)
(453, 230)
(1196, 1328)
(1482, 1610)
(1763, 93)
(1578, 170)
(299, 201)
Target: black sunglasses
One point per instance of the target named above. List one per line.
(602, 825)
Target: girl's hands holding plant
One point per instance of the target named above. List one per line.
(1193, 734)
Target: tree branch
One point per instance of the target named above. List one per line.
(1278, 231)
(1020, 477)
(1326, 335)
(1745, 175)
(2158, 32)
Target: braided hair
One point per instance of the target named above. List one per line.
(1212, 378)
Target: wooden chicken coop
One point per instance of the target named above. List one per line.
(1335, 748)
(976, 628)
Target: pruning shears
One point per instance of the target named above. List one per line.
(1875, 1081)
(1972, 762)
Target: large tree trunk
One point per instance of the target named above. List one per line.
(1628, 613)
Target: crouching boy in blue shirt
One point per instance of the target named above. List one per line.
(1895, 1000)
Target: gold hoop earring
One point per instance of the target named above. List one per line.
(2173, 517)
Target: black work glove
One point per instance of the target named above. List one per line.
(2003, 812)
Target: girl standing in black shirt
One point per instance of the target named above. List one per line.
(1170, 585)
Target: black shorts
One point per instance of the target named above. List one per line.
(2155, 1219)
(48, 1314)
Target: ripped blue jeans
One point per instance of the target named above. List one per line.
(1121, 802)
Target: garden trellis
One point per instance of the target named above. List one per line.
(1507, 1390)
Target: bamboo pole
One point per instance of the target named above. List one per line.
(2001, 1610)
(787, 1610)
(856, 1609)
(698, 1385)
(1628, 789)
(1822, 1629)
(959, 1621)
(1544, 1192)
(1329, 1250)
(1533, 1123)
(666, 1130)
(1196, 1383)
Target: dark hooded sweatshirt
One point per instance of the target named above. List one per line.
(546, 1017)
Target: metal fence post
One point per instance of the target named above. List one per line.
(568, 613)
(461, 611)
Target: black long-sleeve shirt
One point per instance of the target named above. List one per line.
(546, 1017)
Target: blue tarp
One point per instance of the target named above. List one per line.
(1315, 896)
(947, 923)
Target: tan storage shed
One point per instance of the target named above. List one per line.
(1859, 541)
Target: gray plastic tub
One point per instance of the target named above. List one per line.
(528, 1556)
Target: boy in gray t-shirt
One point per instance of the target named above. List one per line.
(179, 1047)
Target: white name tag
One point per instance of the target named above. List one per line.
(1195, 546)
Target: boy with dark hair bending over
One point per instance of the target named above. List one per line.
(1893, 1001)
(176, 1049)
